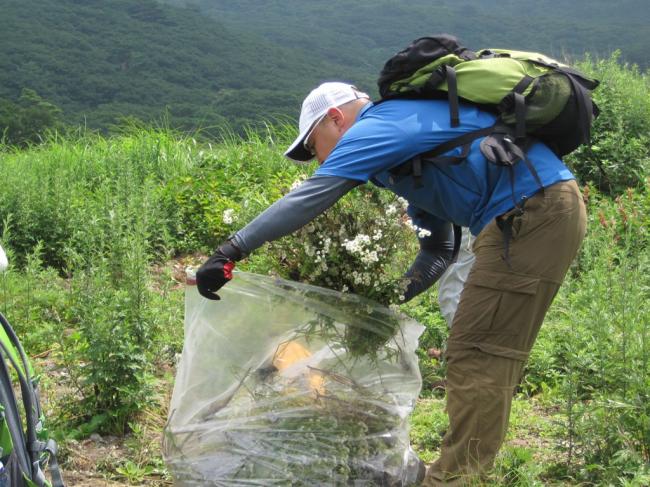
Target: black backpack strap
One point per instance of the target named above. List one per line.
(25, 379)
(430, 90)
(503, 151)
(55, 471)
(46, 452)
(520, 108)
(517, 93)
(11, 415)
(585, 109)
(414, 166)
(452, 94)
(588, 83)
(34, 446)
(515, 102)
(505, 225)
(435, 154)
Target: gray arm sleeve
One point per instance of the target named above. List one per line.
(293, 211)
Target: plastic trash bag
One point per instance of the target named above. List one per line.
(267, 391)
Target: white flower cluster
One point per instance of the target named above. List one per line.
(361, 278)
(228, 216)
(421, 232)
(399, 206)
(361, 245)
(351, 247)
(403, 202)
(319, 254)
(356, 246)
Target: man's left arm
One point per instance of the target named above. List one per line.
(436, 239)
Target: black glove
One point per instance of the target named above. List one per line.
(217, 270)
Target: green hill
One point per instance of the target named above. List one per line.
(362, 33)
(99, 60)
(205, 62)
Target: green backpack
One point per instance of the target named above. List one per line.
(533, 96)
(24, 445)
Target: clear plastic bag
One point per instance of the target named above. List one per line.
(270, 391)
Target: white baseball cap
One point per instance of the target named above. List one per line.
(314, 108)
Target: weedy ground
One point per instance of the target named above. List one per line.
(99, 230)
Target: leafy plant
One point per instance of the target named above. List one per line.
(619, 154)
(602, 348)
(134, 473)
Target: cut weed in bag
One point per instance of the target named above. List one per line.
(268, 391)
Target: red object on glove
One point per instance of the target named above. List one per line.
(217, 270)
(227, 270)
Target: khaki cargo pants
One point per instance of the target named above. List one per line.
(497, 321)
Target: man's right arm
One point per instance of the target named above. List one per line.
(283, 217)
(293, 211)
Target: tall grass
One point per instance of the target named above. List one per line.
(69, 192)
(619, 154)
(88, 210)
(597, 338)
(87, 218)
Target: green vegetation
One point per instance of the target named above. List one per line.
(362, 37)
(102, 61)
(98, 228)
(208, 63)
(28, 120)
(619, 155)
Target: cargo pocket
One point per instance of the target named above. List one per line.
(495, 303)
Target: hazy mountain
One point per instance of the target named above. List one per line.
(207, 61)
(100, 59)
(364, 32)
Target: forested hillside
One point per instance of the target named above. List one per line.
(362, 33)
(100, 60)
(205, 62)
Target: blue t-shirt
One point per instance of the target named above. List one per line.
(469, 194)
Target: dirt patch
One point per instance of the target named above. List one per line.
(85, 458)
(94, 461)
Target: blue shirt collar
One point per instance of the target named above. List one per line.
(363, 110)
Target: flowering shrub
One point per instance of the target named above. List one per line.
(362, 245)
(228, 216)
(353, 247)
